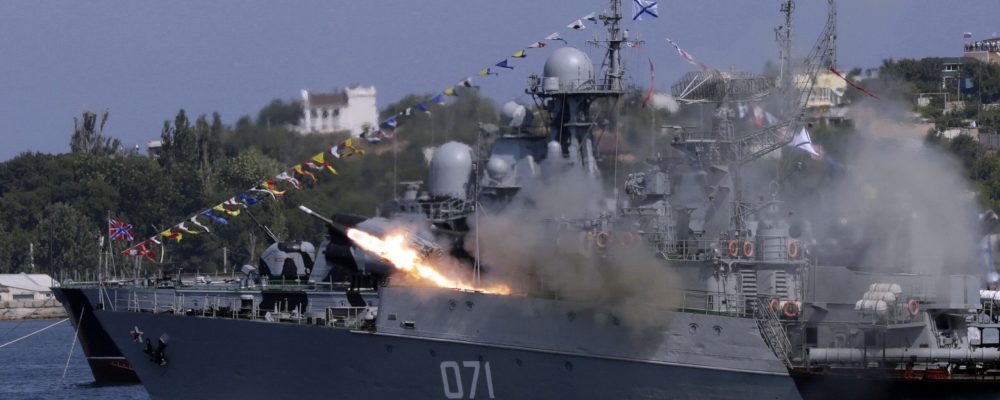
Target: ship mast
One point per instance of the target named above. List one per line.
(783, 35)
(568, 97)
(614, 73)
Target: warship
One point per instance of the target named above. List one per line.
(740, 304)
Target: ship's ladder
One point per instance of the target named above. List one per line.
(781, 284)
(772, 331)
(748, 286)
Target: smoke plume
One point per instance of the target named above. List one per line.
(524, 245)
(663, 101)
(893, 202)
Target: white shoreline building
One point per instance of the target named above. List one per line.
(352, 109)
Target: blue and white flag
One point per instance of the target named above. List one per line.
(643, 9)
(803, 142)
(555, 36)
(390, 122)
(504, 64)
(247, 199)
(216, 218)
(438, 99)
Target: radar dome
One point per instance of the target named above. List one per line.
(497, 169)
(570, 65)
(515, 115)
(451, 165)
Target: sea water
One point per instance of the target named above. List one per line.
(33, 368)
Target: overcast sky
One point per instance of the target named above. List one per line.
(144, 60)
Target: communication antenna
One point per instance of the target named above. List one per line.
(783, 34)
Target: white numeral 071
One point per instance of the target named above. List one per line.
(451, 379)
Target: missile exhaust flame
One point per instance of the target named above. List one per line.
(394, 249)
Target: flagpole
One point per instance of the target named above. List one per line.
(395, 154)
(107, 258)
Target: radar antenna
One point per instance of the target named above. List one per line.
(570, 88)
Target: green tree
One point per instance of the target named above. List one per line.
(279, 113)
(88, 136)
(67, 239)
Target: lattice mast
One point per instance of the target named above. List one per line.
(783, 35)
(614, 71)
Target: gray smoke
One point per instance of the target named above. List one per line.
(523, 245)
(894, 203)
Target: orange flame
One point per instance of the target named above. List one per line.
(394, 249)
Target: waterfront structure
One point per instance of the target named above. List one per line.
(352, 109)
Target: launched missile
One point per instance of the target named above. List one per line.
(380, 227)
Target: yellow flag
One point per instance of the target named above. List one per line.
(319, 161)
(170, 234)
(232, 213)
(299, 170)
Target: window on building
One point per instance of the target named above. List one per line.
(315, 113)
(325, 113)
(336, 112)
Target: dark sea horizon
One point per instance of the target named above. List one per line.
(33, 368)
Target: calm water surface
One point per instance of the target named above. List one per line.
(33, 367)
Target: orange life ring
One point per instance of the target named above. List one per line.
(734, 248)
(773, 305)
(748, 248)
(791, 309)
(793, 249)
(913, 307)
(602, 239)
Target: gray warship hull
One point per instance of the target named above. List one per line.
(465, 346)
(109, 366)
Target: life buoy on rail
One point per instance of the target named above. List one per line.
(602, 239)
(773, 305)
(793, 250)
(790, 309)
(748, 248)
(913, 307)
(734, 248)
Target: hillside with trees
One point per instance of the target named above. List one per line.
(54, 207)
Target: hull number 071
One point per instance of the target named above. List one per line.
(454, 385)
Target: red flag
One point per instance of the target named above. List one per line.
(298, 169)
(652, 76)
(120, 230)
(856, 86)
(140, 250)
(271, 187)
(758, 114)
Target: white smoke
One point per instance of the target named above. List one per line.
(895, 203)
(523, 245)
(663, 101)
